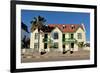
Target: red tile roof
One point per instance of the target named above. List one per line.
(67, 27)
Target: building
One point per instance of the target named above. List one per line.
(58, 37)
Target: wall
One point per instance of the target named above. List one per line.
(32, 41)
(83, 35)
(59, 40)
(5, 37)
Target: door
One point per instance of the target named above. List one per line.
(45, 45)
(64, 47)
(72, 45)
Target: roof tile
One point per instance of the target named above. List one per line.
(66, 27)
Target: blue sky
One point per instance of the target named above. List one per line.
(53, 17)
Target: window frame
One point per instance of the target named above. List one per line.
(57, 36)
(36, 35)
(79, 35)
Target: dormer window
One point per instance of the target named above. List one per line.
(64, 26)
(72, 26)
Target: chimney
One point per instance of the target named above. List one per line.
(83, 26)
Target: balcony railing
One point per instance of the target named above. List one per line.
(45, 40)
(69, 40)
(64, 40)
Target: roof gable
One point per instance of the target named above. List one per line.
(56, 28)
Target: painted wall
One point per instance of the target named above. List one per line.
(68, 47)
(83, 35)
(32, 39)
(59, 40)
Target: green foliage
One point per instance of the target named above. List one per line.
(38, 22)
(81, 44)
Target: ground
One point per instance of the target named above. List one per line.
(55, 56)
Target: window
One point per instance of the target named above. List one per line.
(46, 36)
(79, 35)
(72, 36)
(35, 45)
(72, 26)
(63, 35)
(55, 35)
(63, 39)
(36, 35)
(56, 45)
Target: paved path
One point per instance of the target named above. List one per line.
(55, 56)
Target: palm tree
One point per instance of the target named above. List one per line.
(38, 22)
